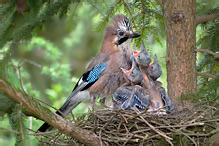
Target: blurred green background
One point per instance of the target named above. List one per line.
(55, 57)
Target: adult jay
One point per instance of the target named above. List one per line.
(114, 54)
(79, 93)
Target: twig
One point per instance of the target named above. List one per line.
(21, 126)
(207, 51)
(158, 131)
(123, 117)
(33, 63)
(178, 126)
(126, 5)
(101, 143)
(205, 18)
(12, 131)
(153, 4)
(19, 77)
(206, 75)
(143, 9)
(39, 133)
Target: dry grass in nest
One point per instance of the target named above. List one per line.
(118, 127)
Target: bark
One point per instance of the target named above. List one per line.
(46, 115)
(180, 27)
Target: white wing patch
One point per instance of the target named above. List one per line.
(80, 81)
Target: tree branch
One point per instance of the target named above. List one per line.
(210, 52)
(205, 18)
(48, 116)
(206, 75)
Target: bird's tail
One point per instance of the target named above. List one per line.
(62, 111)
(72, 101)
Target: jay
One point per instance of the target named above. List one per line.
(130, 97)
(134, 74)
(150, 88)
(154, 69)
(104, 74)
(142, 56)
(168, 105)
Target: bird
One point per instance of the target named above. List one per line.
(130, 97)
(154, 69)
(168, 105)
(115, 53)
(142, 56)
(146, 82)
(116, 49)
(151, 89)
(134, 74)
(76, 97)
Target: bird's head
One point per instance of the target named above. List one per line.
(154, 69)
(142, 56)
(127, 72)
(134, 74)
(120, 32)
(154, 62)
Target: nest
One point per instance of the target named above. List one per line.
(126, 127)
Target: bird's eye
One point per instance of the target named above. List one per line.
(121, 33)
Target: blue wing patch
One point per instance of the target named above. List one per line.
(96, 72)
(90, 76)
(123, 94)
(136, 102)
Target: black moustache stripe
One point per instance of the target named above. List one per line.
(122, 40)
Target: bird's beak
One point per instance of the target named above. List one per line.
(128, 72)
(134, 35)
(136, 53)
(150, 65)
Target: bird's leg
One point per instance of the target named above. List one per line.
(102, 102)
(93, 99)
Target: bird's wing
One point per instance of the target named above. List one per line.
(85, 81)
(100, 57)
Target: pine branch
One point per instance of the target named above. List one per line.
(110, 12)
(207, 51)
(207, 17)
(130, 13)
(206, 75)
(46, 115)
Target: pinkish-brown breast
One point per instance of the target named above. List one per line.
(113, 77)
